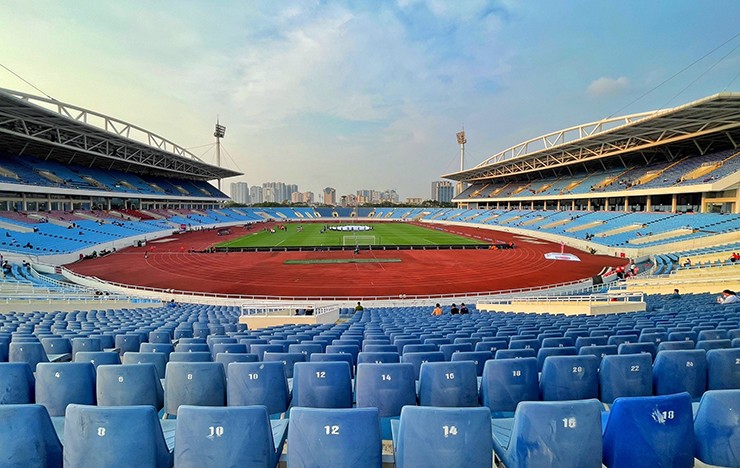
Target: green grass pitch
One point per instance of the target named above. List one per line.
(388, 234)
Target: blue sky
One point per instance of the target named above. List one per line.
(367, 94)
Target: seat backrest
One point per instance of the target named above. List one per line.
(680, 371)
(388, 387)
(194, 383)
(436, 437)
(448, 384)
(625, 375)
(227, 358)
(650, 431)
(669, 345)
(60, 384)
(98, 357)
(159, 337)
(166, 348)
(103, 436)
(259, 349)
(158, 359)
(506, 382)
(366, 357)
(634, 348)
(32, 353)
(85, 344)
(128, 342)
(556, 433)
(212, 436)
(289, 359)
(569, 378)
(479, 358)
(334, 357)
(129, 384)
(190, 356)
(717, 428)
(322, 384)
(449, 349)
(598, 350)
(28, 438)
(515, 353)
(227, 348)
(554, 351)
(419, 358)
(258, 383)
(56, 345)
(723, 369)
(305, 348)
(341, 438)
(16, 383)
(713, 344)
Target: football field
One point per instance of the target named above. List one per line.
(316, 235)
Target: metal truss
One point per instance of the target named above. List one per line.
(48, 128)
(715, 116)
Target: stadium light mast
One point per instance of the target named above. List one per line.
(461, 141)
(219, 133)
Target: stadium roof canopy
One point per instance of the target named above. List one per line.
(50, 129)
(697, 127)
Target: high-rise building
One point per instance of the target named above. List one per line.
(308, 197)
(255, 194)
(330, 196)
(240, 193)
(442, 191)
(268, 195)
(296, 197)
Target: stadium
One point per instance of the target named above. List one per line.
(140, 313)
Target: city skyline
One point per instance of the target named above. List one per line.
(368, 93)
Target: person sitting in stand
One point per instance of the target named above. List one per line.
(675, 295)
(359, 308)
(437, 310)
(454, 310)
(464, 309)
(727, 297)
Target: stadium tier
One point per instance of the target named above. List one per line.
(55, 366)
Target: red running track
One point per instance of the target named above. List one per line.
(171, 265)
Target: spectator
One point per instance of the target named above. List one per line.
(454, 310)
(727, 297)
(675, 295)
(687, 263)
(359, 308)
(437, 310)
(464, 309)
(735, 257)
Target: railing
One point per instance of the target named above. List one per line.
(273, 310)
(632, 296)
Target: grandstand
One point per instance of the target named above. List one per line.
(165, 376)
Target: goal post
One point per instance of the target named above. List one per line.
(353, 240)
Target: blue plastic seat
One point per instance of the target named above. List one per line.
(61, 384)
(57, 349)
(160, 337)
(649, 431)
(227, 358)
(417, 359)
(335, 357)
(159, 360)
(217, 348)
(30, 352)
(479, 358)
(224, 437)
(325, 384)
(258, 383)
(366, 357)
(673, 345)
(708, 345)
(381, 348)
(334, 438)
(85, 344)
(28, 438)
(307, 349)
(582, 341)
(449, 349)
(192, 347)
(448, 384)
(717, 428)
(127, 342)
(625, 375)
(98, 358)
(387, 387)
(260, 349)
(533, 343)
(492, 346)
(554, 351)
(723, 369)
(289, 359)
(102, 437)
(443, 437)
(194, 383)
(569, 378)
(16, 383)
(598, 350)
(506, 382)
(515, 353)
(166, 348)
(190, 356)
(550, 434)
(680, 371)
(129, 384)
(635, 348)
(419, 348)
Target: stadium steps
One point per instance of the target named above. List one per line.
(611, 232)
(660, 237)
(15, 227)
(582, 227)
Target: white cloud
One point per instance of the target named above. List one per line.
(606, 86)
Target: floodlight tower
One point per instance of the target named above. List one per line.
(461, 141)
(219, 133)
